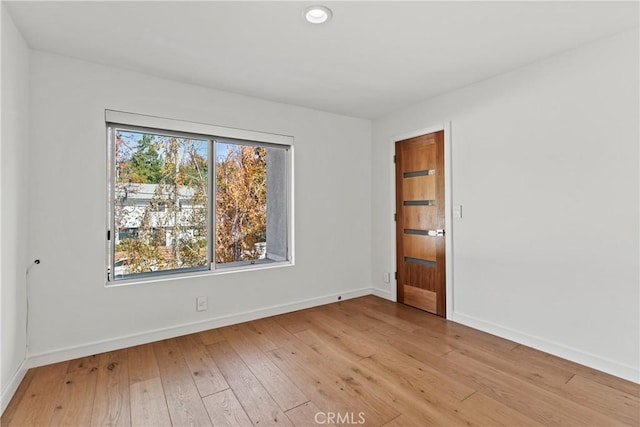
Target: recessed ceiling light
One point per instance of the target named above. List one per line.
(317, 14)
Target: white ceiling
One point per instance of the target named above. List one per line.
(371, 59)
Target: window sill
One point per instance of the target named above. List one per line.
(204, 273)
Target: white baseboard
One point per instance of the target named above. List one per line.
(13, 385)
(628, 372)
(382, 293)
(69, 353)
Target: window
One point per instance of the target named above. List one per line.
(181, 200)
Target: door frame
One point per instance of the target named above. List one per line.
(448, 207)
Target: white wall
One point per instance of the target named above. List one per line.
(545, 164)
(71, 308)
(13, 189)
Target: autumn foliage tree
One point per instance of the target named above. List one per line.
(241, 203)
(171, 230)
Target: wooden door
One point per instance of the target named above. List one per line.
(420, 222)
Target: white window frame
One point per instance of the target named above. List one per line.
(186, 129)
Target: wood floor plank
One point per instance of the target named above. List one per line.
(204, 371)
(307, 414)
(431, 323)
(323, 389)
(185, 405)
(416, 392)
(36, 406)
(394, 364)
(211, 336)
(596, 396)
(396, 329)
(403, 395)
(531, 355)
(279, 386)
(259, 405)
(452, 333)
(293, 322)
(148, 404)
(408, 366)
(15, 402)
(83, 363)
(225, 410)
(437, 397)
(317, 340)
(411, 346)
(551, 376)
(321, 378)
(142, 363)
(534, 402)
(404, 365)
(342, 334)
(380, 319)
(345, 313)
(111, 402)
(74, 403)
(272, 331)
(488, 412)
(267, 334)
(456, 332)
(402, 420)
(324, 345)
(614, 403)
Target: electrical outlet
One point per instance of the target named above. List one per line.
(202, 304)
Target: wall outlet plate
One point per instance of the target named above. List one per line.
(202, 304)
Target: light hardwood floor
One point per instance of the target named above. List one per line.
(365, 359)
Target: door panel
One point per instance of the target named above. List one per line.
(420, 188)
(420, 222)
(423, 158)
(418, 272)
(419, 247)
(419, 217)
(416, 297)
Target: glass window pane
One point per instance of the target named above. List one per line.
(251, 204)
(161, 199)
